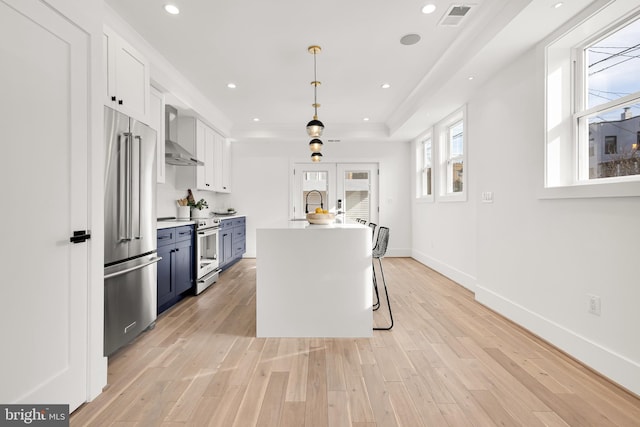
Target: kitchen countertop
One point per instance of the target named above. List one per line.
(302, 224)
(235, 215)
(174, 223)
(181, 222)
(314, 280)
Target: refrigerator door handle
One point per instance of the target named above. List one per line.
(139, 235)
(123, 194)
(128, 187)
(137, 267)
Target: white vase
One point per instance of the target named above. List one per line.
(183, 212)
(199, 213)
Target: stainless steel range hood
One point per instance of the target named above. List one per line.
(175, 154)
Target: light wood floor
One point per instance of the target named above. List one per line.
(448, 362)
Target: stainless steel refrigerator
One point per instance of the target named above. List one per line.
(130, 269)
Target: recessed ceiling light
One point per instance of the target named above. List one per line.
(385, 86)
(470, 77)
(366, 119)
(557, 5)
(231, 85)
(429, 8)
(255, 119)
(410, 39)
(172, 9)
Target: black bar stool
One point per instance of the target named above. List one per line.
(376, 305)
(378, 253)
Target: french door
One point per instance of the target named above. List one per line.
(350, 190)
(358, 191)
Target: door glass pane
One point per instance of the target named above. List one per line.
(314, 190)
(356, 195)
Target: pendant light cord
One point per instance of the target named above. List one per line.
(315, 87)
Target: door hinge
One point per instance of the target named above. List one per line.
(80, 236)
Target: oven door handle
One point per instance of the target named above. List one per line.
(206, 233)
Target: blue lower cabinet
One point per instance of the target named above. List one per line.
(183, 256)
(176, 269)
(166, 292)
(232, 241)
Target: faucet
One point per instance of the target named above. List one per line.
(306, 201)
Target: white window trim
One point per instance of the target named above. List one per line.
(441, 141)
(561, 151)
(428, 198)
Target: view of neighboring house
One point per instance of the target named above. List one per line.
(613, 147)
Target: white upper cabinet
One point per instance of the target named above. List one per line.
(192, 136)
(209, 147)
(209, 155)
(222, 164)
(156, 121)
(126, 77)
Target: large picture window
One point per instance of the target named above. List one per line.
(592, 101)
(608, 103)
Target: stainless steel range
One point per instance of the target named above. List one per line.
(207, 262)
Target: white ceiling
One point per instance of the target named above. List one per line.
(261, 46)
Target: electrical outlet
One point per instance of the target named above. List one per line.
(487, 197)
(594, 304)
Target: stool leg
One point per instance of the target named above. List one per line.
(386, 291)
(376, 305)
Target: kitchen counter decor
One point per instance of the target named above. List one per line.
(321, 218)
(199, 209)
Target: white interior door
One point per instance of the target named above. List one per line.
(358, 191)
(43, 297)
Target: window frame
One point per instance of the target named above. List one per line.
(445, 158)
(421, 195)
(566, 153)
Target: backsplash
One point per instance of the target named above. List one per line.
(168, 194)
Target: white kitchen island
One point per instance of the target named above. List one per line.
(314, 280)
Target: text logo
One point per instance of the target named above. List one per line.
(34, 415)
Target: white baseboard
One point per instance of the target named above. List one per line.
(452, 273)
(616, 367)
(398, 252)
(611, 365)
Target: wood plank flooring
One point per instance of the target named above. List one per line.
(447, 362)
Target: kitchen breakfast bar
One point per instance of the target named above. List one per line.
(314, 280)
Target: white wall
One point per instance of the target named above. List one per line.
(169, 193)
(260, 182)
(536, 260)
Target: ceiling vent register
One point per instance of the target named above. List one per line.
(454, 16)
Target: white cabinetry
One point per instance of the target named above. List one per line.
(156, 121)
(126, 77)
(209, 147)
(222, 164)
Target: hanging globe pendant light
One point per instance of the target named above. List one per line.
(315, 126)
(315, 145)
(316, 157)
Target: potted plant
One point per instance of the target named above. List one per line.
(198, 207)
